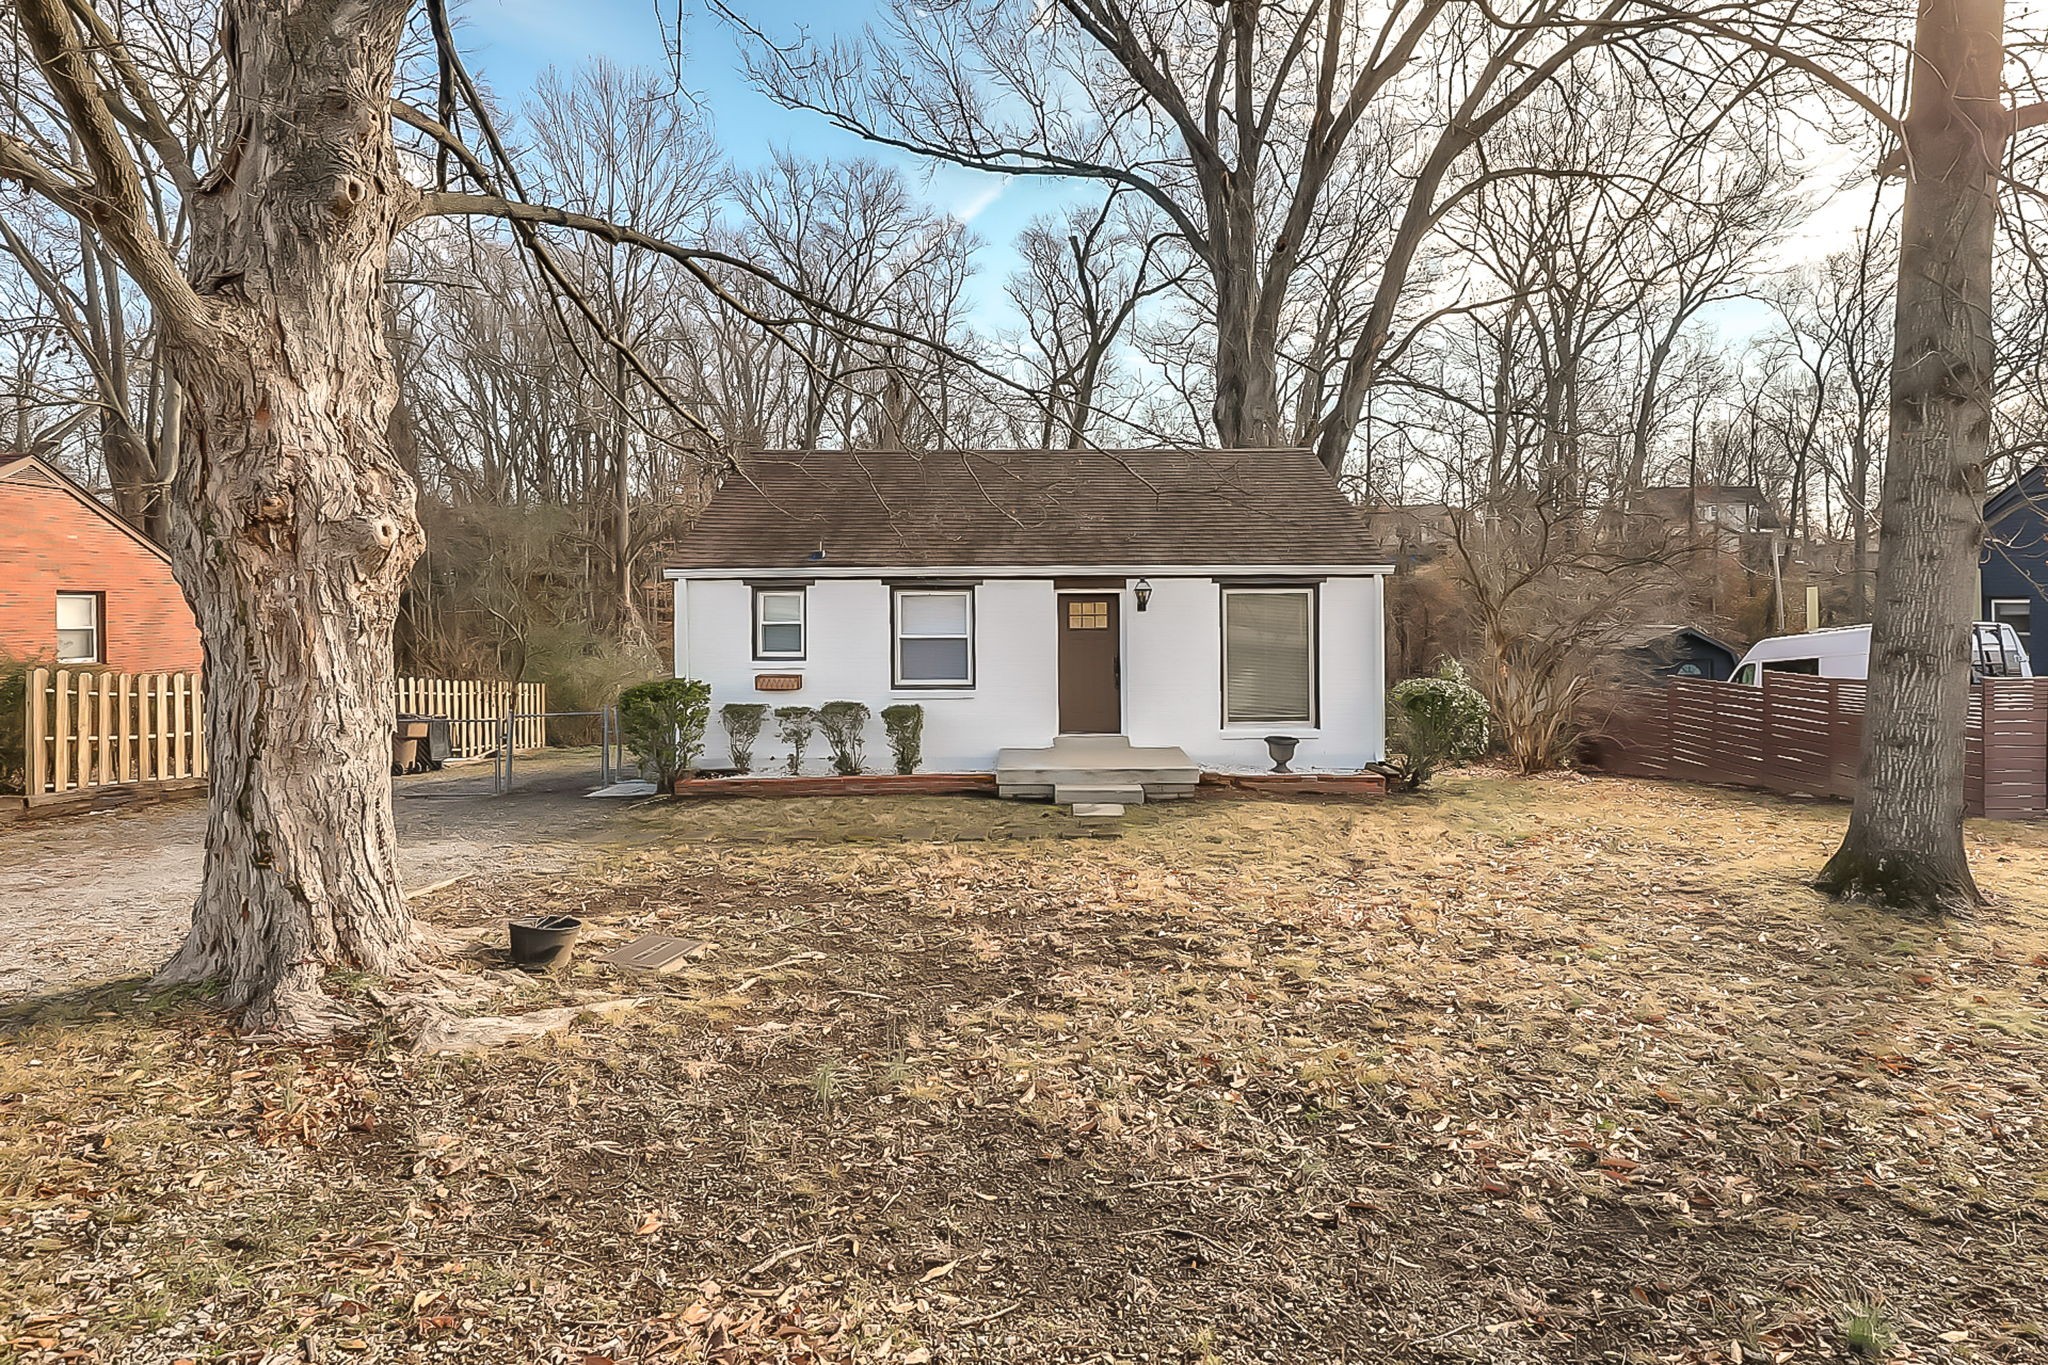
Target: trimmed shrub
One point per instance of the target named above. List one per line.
(13, 724)
(662, 723)
(793, 725)
(742, 721)
(845, 725)
(1434, 721)
(905, 724)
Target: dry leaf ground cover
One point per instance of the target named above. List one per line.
(1569, 1069)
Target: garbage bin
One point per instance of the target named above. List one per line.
(408, 733)
(439, 746)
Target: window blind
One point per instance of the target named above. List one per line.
(1269, 657)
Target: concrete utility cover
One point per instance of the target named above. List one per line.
(655, 953)
(630, 787)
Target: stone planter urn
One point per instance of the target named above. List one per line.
(1281, 747)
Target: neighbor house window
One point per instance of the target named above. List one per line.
(778, 623)
(1269, 656)
(2017, 612)
(78, 628)
(934, 637)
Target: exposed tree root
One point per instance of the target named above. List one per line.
(1913, 882)
(436, 1031)
(433, 1007)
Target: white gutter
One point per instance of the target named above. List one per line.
(829, 570)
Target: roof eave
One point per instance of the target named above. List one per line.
(1371, 570)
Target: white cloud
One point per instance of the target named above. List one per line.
(978, 203)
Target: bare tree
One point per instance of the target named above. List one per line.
(1904, 845)
(1241, 124)
(1082, 280)
(294, 523)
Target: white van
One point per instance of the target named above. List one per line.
(1844, 652)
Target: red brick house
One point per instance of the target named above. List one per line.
(81, 587)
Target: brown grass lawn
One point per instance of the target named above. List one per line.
(1569, 1069)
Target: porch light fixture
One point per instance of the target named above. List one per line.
(1143, 590)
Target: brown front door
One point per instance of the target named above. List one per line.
(1090, 675)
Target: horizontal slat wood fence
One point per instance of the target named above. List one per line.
(1802, 736)
(88, 731)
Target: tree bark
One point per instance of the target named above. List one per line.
(1904, 846)
(293, 524)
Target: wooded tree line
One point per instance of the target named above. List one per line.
(1592, 297)
(293, 284)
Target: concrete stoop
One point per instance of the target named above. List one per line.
(1095, 770)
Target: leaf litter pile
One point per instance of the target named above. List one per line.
(1565, 1069)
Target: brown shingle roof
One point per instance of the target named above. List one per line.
(955, 509)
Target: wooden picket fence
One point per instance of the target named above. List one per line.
(101, 730)
(145, 733)
(476, 709)
(1803, 736)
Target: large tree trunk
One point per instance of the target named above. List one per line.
(1247, 406)
(293, 525)
(1904, 847)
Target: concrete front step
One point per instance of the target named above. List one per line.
(1098, 764)
(1064, 795)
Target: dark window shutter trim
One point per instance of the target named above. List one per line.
(1270, 581)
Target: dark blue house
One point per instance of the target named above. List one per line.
(2013, 577)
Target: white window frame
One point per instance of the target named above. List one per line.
(99, 627)
(897, 637)
(1315, 656)
(2028, 643)
(764, 654)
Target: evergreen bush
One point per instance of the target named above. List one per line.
(663, 724)
(793, 726)
(742, 721)
(845, 725)
(905, 724)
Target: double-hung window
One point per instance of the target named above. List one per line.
(1269, 656)
(78, 628)
(779, 623)
(933, 637)
(2017, 612)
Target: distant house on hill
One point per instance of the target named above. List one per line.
(2013, 574)
(1413, 532)
(1730, 516)
(1176, 605)
(80, 587)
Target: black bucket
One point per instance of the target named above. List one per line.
(544, 942)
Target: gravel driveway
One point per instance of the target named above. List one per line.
(91, 897)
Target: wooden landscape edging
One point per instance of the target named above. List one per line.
(832, 784)
(1291, 784)
(980, 784)
(1801, 736)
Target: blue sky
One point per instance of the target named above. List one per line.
(509, 42)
